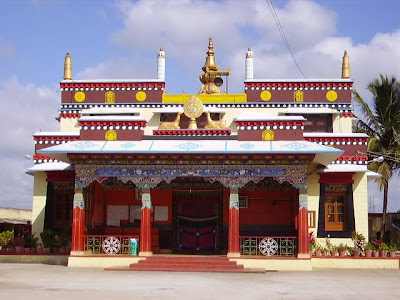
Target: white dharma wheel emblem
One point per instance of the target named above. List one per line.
(268, 246)
(111, 245)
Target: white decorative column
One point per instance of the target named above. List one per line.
(249, 64)
(161, 64)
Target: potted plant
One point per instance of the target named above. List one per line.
(48, 238)
(369, 247)
(311, 243)
(317, 250)
(63, 240)
(18, 243)
(5, 238)
(324, 251)
(359, 242)
(342, 248)
(392, 249)
(355, 252)
(376, 243)
(383, 249)
(31, 243)
(39, 248)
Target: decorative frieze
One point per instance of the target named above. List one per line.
(192, 132)
(38, 159)
(106, 86)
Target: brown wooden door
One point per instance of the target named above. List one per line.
(198, 222)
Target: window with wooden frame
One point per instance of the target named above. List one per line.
(63, 196)
(243, 202)
(335, 207)
(311, 219)
(318, 123)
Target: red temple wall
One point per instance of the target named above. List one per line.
(163, 198)
(98, 204)
(263, 211)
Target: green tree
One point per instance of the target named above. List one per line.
(381, 121)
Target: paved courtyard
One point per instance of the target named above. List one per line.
(34, 281)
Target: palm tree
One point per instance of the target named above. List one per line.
(381, 121)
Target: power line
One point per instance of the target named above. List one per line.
(278, 24)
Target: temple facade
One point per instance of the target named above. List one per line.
(213, 173)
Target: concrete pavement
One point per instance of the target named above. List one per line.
(35, 281)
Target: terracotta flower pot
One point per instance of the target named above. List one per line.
(19, 249)
(383, 253)
(46, 250)
(333, 253)
(342, 253)
(27, 250)
(392, 254)
(356, 253)
(318, 253)
(324, 253)
(368, 253)
(39, 250)
(376, 253)
(8, 250)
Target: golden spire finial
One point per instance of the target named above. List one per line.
(346, 65)
(211, 79)
(210, 64)
(249, 53)
(67, 67)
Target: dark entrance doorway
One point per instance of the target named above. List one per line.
(197, 218)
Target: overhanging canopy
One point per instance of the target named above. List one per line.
(323, 155)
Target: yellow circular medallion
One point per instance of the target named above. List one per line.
(193, 107)
(79, 96)
(141, 96)
(265, 95)
(331, 96)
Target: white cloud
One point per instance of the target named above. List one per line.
(25, 109)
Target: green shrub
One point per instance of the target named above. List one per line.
(6, 237)
(48, 237)
(393, 247)
(383, 246)
(31, 241)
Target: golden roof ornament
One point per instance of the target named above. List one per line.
(346, 65)
(67, 67)
(193, 108)
(211, 72)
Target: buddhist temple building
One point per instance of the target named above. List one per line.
(245, 176)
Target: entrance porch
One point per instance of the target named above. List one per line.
(190, 215)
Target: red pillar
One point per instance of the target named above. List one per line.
(233, 238)
(145, 224)
(78, 223)
(302, 227)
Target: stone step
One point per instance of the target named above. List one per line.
(187, 264)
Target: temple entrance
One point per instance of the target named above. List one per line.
(197, 218)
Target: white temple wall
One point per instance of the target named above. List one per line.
(313, 198)
(69, 125)
(39, 202)
(360, 196)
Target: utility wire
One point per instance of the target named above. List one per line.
(278, 24)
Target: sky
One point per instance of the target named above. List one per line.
(120, 39)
